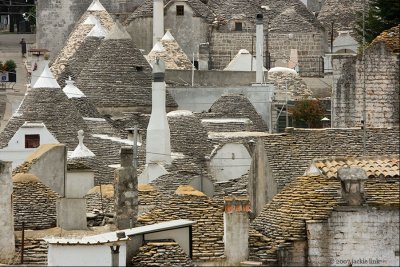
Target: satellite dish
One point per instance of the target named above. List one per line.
(204, 185)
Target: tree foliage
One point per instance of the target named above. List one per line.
(309, 111)
(379, 16)
(9, 66)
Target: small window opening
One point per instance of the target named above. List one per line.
(180, 10)
(196, 64)
(32, 141)
(139, 68)
(238, 26)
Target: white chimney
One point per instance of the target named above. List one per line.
(259, 49)
(158, 145)
(236, 229)
(158, 20)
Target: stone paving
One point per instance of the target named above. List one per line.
(10, 49)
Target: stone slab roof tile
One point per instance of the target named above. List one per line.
(310, 198)
(100, 126)
(172, 55)
(207, 232)
(118, 75)
(290, 154)
(188, 135)
(72, 44)
(230, 126)
(383, 166)
(235, 8)
(390, 37)
(77, 61)
(63, 120)
(85, 107)
(237, 106)
(342, 12)
(276, 7)
(77, 37)
(33, 202)
(52, 107)
(161, 253)
(290, 21)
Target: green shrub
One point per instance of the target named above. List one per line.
(10, 65)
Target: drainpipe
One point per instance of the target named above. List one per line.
(114, 255)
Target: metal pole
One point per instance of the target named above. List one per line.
(135, 149)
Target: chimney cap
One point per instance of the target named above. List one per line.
(259, 18)
(158, 70)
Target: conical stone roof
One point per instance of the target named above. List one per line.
(82, 28)
(117, 75)
(238, 106)
(50, 106)
(171, 53)
(34, 200)
(96, 6)
(276, 7)
(290, 21)
(341, 12)
(188, 136)
(79, 59)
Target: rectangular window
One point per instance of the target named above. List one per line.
(180, 10)
(238, 26)
(32, 141)
(139, 68)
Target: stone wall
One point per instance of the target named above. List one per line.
(141, 31)
(361, 236)
(35, 204)
(343, 93)
(227, 126)
(293, 253)
(55, 20)
(200, 99)
(310, 49)
(381, 73)
(35, 250)
(161, 253)
(315, 5)
(224, 47)
(184, 26)
(183, 78)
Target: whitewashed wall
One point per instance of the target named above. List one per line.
(230, 162)
(363, 237)
(83, 255)
(16, 151)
